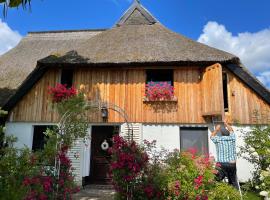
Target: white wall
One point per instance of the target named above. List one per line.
(23, 131)
(168, 136)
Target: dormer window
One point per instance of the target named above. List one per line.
(159, 85)
(67, 77)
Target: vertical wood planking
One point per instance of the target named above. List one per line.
(126, 88)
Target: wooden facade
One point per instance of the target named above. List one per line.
(197, 91)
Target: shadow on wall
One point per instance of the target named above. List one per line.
(163, 106)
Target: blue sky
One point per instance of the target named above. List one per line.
(238, 26)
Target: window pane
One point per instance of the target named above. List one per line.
(67, 77)
(39, 137)
(159, 75)
(194, 138)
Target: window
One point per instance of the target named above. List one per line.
(159, 75)
(225, 91)
(159, 85)
(194, 138)
(67, 77)
(39, 138)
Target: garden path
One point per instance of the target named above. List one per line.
(95, 192)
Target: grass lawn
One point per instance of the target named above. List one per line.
(252, 196)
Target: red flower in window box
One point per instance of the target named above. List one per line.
(61, 92)
(159, 91)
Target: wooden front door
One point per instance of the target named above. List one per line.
(100, 159)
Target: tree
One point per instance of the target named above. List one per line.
(14, 3)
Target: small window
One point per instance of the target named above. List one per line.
(225, 91)
(39, 138)
(194, 138)
(159, 75)
(67, 77)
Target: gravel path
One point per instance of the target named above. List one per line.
(95, 192)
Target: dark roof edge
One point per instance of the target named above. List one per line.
(73, 58)
(252, 82)
(27, 84)
(67, 31)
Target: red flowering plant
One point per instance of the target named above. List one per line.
(47, 184)
(147, 173)
(190, 176)
(159, 91)
(134, 176)
(128, 162)
(60, 93)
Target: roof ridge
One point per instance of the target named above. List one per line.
(68, 31)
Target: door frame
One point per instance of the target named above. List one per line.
(87, 180)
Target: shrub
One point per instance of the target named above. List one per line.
(140, 173)
(224, 191)
(189, 176)
(46, 174)
(128, 163)
(257, 151)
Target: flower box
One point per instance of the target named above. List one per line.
(173, 99)
(159, 91)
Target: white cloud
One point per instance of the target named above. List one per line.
(8, 37)
(264, 77)
(252, 48)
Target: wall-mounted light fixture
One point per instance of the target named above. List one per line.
(104, 114)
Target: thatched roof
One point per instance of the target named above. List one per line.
(138, 39)
(147, 43)
(18, 63)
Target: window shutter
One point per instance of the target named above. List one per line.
(137, 131)
(75, 155)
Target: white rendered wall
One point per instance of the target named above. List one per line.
(168, 136)
(23, 131)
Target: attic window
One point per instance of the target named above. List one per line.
(159, 85)
(39, 138)
(67, 77)
(225, 91)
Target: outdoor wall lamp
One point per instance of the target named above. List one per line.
(104, 114)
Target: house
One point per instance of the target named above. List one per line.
(115, 65)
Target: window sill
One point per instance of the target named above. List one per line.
(173, 100)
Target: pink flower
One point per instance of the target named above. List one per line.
(149, 191)
(198, 181)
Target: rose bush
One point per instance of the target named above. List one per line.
(139, 172)
(47, 173)
(60, 92)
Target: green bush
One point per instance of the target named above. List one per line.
(223, 191)
(257, 151)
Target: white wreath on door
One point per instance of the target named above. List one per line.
(104, 145)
